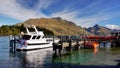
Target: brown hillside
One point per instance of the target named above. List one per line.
(58, 26)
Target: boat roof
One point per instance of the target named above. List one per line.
(36, 32)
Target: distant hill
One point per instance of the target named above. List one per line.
(99, 30)
(58, 25)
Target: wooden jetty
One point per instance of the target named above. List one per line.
(70, 44)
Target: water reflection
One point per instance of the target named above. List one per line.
(102, 57)
(79, 58)
(95, 51)
(36, 58)
(45, 58)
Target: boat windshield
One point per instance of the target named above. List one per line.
(26, 37)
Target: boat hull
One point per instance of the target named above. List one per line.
(33, 47)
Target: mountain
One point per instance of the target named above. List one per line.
(99, 30)
(58, 25)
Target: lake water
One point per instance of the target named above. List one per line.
(103, 57)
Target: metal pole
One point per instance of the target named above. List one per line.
(77, 43)
(70, 43)
(14, 47)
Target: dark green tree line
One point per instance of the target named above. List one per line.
(6, 30)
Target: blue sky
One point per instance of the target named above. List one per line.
(84, 13)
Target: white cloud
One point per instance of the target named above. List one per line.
(44, 4)
(66, 14)
(111, 26)
(91, 20)
(86, 21)
(12, 9)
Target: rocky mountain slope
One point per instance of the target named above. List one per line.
(99, 30)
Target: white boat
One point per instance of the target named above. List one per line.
(35, 40)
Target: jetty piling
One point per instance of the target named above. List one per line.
(57, 47)
(12, 44)
(77, 43)
(70, 43)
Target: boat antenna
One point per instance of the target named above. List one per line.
(27, 30)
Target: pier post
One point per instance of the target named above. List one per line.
(104, 44)
(84, 43)
(60, 45)
(70, 43)
(99, 44)
(61, 40)
(54, 48)
(77, 43)
(12, 44)
(54, 45)
(57, 47)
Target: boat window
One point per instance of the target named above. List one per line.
(26, 37)
(38, 37)
(49, 40)
(33, 37)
